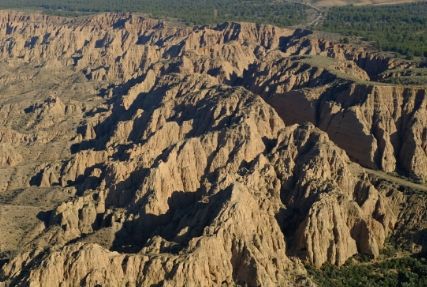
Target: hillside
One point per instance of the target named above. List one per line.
(138, 152)
(391, 27)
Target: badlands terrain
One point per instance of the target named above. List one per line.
(134, 152)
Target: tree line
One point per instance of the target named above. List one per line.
(399, 28)
(190, 11)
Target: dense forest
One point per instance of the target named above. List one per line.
(190, 11)
(398, 28)
(392, 272)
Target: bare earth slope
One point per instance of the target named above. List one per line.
(143, 154)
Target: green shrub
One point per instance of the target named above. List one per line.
(404, 272)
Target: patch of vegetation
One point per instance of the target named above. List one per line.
(407, 77)
(406, 271)
(190, 11)
(398, 28)
(329, 64)
(339, 70)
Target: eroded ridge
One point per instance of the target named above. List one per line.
(200, 156)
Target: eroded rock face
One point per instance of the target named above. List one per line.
(181, 174)
(381, 127)
(191, 193)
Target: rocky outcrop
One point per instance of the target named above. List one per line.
(381, 127)
(182, 193)
(180, 173)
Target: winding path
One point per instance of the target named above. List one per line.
(311, 22)
(391, 178)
